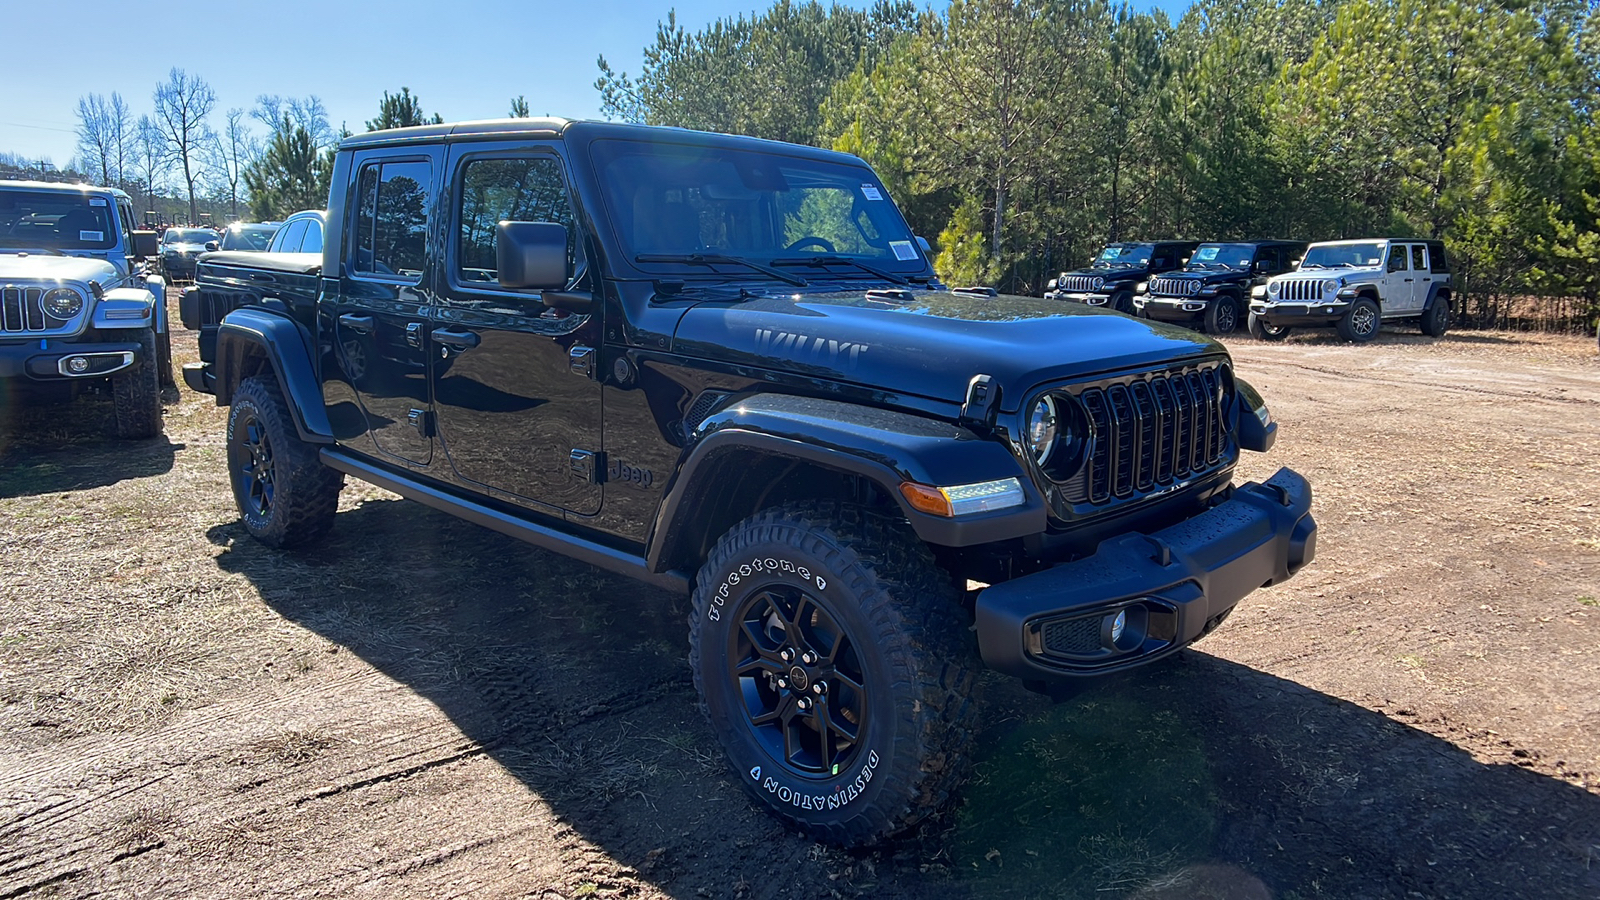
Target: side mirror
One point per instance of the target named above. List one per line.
(144, 244)
(927, 250)
(531, 255)
(212, 245)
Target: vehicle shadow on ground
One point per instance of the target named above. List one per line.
(71, 447)
(1194, 778)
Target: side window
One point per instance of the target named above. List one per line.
(288, 238)
(528, 189)
(392, 222)
(1397, 258)
(312, 243)
(1162, 262)
(125, 213)
(1436, 258)
(1419, 257)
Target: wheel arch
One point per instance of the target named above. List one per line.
(771, 449)
(252, 342)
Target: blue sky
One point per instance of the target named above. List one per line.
(465, 59)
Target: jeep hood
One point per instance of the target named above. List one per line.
(931, 343)
(49, 267)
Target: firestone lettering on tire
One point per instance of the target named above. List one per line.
(767, 565)
(841, 795)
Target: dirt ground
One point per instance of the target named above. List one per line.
(421, 708)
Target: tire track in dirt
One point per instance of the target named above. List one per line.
(1531, 394)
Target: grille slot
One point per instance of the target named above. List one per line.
(1148, 434)
(1075, 637)
(22, 310)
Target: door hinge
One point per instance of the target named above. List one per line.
(422, 421)
(581, 359)
(588, 465)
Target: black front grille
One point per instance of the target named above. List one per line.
(22, 310)
(1148, 434)
(1174, 287)
(1073, 637)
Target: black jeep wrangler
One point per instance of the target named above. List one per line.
(1213, 288)
(1118, 269)
(725, 367)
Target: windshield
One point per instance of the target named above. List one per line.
(1334, 256)
(678, 200)
(1222, 256)
(188, 236)
(250, 237)
(1117, 255)
(55, 220)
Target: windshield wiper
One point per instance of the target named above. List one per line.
(841, 260)
(717, 259)
(1312, 266)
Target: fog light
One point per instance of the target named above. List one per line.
(1119, 623)
(78, 364)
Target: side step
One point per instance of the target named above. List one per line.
(547, 538)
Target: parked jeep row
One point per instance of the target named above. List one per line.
(1273, 285)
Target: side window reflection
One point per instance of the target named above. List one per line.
(392, 222)
(515, 190)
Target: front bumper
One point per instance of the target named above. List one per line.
(1171, 587)
(46, 359)
(1321, 312)
(1172, 309)
(1077, 297)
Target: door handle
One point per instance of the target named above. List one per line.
(1411, 279)
(259, 276)
(456, 340)
(358, 324)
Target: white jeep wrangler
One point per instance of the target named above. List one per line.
(1356, 286)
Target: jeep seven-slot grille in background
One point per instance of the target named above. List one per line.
(1151, 434)
(22, 309)
(1301, 290)
(1174, 287)
(1076, 283)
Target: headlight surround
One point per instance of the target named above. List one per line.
(1043, 429)
(1274, 287)
(63, 303)
(1097, 284)
(1055, 434)
(1330, 288)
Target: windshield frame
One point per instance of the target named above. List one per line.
(10, 240)
(1100, 261)
(1223, 247)
(1342, 248)
(846, 174)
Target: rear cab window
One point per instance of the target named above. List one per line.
(390, 231)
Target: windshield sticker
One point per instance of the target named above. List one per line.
(1111, 252)
(97, 201)
(903, 250)
(871, 192)
(91, 235)
(1206, 254)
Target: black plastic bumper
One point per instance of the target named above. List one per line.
(40, 360)
(199, 377)
(1170, 587)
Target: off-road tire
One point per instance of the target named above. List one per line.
(1361, 322)
(868, 576)
(164, 360)
(286, 496)
(1436, 321)
(1122, 302)
(1222, 315)
(136, 393)
(1261, 331)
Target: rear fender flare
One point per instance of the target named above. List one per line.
(246, 334)
(884, 447)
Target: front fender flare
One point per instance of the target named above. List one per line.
(882, 446)
(246, 333)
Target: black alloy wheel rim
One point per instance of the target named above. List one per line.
(1226, 318)
(799, 680)
(253, 457)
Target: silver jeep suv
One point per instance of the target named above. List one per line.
(1357, 286)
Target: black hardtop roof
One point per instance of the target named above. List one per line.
(581, 131)
(1256, 241)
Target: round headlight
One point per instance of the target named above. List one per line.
(63, 303)
(1097, 284)
(1273, 287)
(1042, 429)
(1329, 288)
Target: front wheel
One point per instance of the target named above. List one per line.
(286, 496)
(1361, 321)
(1262, 330)
(136, 392)
(1222, 316)
(834, 665)
(1122, 302)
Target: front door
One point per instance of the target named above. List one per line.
(516, 382)
(381, 317)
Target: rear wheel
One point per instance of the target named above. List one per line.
(1436, 321)
(834, 664)
(1262, 330)
(1361, 321)
(286, 496)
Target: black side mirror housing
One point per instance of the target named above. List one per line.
(531, 255)
(144, 244)
(212, 245)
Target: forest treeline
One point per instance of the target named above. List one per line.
(1018, 135)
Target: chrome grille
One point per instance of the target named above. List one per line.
(22, 310)
(1079, 283)
(1149, 434)
(1300, 290)
(1174, 287)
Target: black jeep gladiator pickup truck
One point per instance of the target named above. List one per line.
(725, 366)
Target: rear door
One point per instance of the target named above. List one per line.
(516, 381)
(1422, 272)
(1399, 286)
(380, 320)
